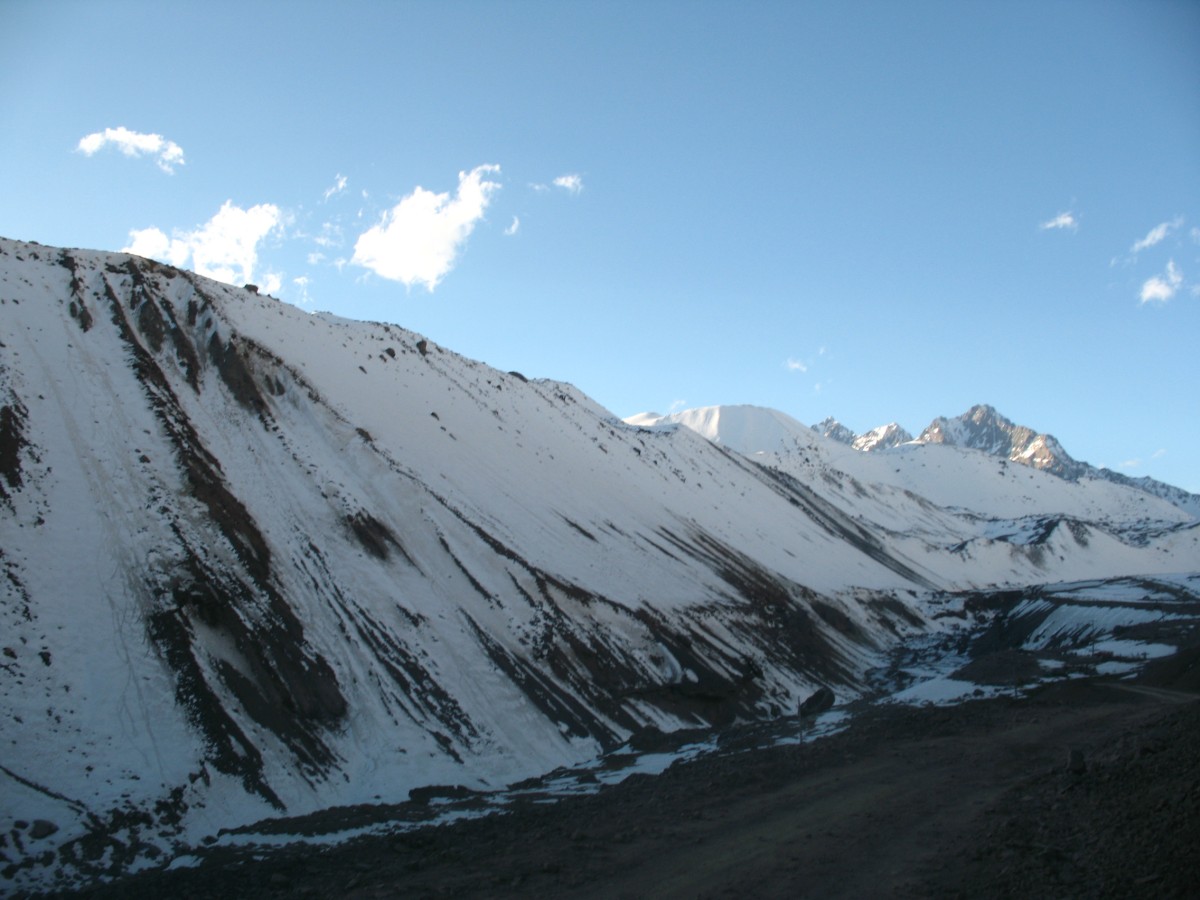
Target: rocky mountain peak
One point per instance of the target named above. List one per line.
(983, 428)
(832, 428)
(890, 435)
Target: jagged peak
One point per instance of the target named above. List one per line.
(882, 437)
(835, 430)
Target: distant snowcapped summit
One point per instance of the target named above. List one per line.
(835, 430)
(983, 428)
(890, 435)
(744, 428)
(754, 429)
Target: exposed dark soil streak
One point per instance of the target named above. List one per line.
(984, 799)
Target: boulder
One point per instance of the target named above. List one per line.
(817, 702)
(42, 828)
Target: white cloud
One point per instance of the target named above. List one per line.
(168, 154)
(514, 227)
(1162, 288)
(225, 247)
(1156, 235)
(795, 365)
(153, 243)
(571, 183)
(418, 240)
(270, 282)
(339, 185)
(1067, 220)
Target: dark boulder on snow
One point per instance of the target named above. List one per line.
(42, 828)
(817, 702)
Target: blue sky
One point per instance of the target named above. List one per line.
(877, 211)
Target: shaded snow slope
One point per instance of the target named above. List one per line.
(257, 561)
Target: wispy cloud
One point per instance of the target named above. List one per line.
(339, 185)
(1064, 220)
(301, 283)
(571, 183)
(1156, 235)
(794, 365)
(225, 247)
(514, 227)
(418, 240)
(1162, 288)
(676, 406)
(167, 154)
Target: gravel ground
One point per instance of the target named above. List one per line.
(1087, 788)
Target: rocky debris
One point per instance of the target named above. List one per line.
(12, 441)
(1122, 822)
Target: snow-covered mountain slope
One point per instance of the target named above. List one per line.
(259, 561)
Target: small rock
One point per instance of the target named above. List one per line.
(42, 828)
(1076, 764)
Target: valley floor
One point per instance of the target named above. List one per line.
(983, 799)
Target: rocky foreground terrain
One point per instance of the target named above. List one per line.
(1085, 788)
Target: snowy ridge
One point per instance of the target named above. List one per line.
(981, 428)
(973, 519)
